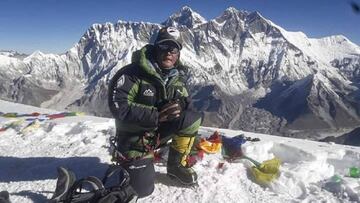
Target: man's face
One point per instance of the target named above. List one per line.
(167, 54)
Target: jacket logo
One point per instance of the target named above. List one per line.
(148, 93)
(120, 81)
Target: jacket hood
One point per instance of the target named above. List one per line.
(145, 58)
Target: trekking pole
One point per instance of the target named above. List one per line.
(256, 163)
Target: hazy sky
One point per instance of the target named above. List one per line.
(54, 26)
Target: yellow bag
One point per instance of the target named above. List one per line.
(266, 171)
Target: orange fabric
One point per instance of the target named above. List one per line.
(211, 144)
(209, 147)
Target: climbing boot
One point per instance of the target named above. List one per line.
(177, 164)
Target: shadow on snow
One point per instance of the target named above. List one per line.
(15, 169)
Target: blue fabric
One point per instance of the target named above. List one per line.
(231, 146)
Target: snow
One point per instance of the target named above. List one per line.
(8, 61)
(187, 17)
(195, 15)
(40, 56)
(29, 161)
(323, 49)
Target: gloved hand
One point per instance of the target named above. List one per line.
(184, 102)
(170, 111)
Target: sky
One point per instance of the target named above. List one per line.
(54, 26)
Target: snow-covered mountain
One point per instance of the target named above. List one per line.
(246, 72)
(186, 17)
(12, 54)
(29, 160)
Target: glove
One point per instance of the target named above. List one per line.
(170, 111)
(183, 102)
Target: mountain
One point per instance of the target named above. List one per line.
(187, 17)
(350, 138)
(13, 54)
(81, 144)
(246, 73)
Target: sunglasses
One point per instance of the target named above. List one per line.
(167, 48)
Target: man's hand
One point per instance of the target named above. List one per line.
(170, 111)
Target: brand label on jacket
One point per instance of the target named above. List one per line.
(148, 93)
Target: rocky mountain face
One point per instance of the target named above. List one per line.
(350, 138)
(246, 73)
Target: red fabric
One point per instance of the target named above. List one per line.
(215, 137)
(35, 114)
(158, 156)
(220, 165)
(193, 159)
(200, 154)
(54, 116)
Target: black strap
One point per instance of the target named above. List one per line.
(117, 156)
(112, 170)
(256, 139)
(77, 187)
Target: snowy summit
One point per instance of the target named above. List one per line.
(187, 17)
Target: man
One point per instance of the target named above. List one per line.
(150, 104)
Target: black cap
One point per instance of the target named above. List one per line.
(168, 34)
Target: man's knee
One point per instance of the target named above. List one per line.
(191, 123)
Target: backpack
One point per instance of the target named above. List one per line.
(114, 188)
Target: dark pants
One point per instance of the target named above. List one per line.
(141, 171)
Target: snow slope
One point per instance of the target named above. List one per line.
(29, 160)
